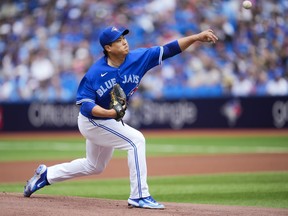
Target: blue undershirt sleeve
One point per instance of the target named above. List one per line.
(86, 108)
(171, 49)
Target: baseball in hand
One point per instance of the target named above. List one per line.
(247, 4)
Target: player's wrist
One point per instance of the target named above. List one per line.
(198, 37)
(112, 113)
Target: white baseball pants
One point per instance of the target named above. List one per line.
(102, 137)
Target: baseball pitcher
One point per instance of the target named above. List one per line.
(102, 96)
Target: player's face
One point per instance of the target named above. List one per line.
(120, 46)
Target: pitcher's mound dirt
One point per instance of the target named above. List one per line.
(16, 204)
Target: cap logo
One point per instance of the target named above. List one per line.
(114, 29)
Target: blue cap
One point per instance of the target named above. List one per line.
(111, 34)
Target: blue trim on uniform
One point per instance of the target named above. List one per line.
(84, 100)
(86, 108)
(131, 143)
(161, 55)
(171, 49)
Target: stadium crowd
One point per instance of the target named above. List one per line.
(47, 45)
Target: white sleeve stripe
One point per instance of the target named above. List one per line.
(84, 100)
(161, 55)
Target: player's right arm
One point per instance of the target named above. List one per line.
(97, 111)
(86, 99)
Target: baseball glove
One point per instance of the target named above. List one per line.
(118, 101)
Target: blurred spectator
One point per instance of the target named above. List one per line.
(277, 86)
(242, 86)
(260, 88)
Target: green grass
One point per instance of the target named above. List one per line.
(250, 189)
(42, 149)
(216, 145)
(15, 150)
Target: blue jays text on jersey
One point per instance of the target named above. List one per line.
(97, 83)
(131, 78)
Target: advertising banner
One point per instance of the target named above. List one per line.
(258, 112)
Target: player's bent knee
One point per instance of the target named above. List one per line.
(140, 139)
(99, 169)
(95, 169)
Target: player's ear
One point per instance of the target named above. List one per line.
(107, 47)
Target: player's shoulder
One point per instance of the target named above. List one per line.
(143, 50)
(96, 68)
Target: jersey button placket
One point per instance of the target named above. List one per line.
(118, 78)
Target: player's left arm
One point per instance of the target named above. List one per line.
(177, 46)
(204, 36)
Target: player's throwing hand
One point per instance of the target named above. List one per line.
(204, 36)
(207, 36)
